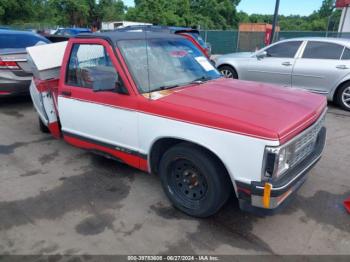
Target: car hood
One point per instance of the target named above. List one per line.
(248, 108)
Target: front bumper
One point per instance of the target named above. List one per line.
(251, 195)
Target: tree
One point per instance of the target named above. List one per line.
(206, 14)
(326, 8)
(14, 11)
(70, 12)
(110, 10)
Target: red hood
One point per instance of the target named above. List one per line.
(250, 108)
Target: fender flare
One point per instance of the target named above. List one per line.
(181, 139)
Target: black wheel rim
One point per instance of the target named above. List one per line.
(187, 183)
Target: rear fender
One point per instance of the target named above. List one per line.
(332, 93)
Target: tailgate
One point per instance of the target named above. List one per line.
(38, 103)
(43, 97)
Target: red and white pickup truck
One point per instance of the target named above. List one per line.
(156, 103)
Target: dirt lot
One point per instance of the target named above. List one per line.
(55, 198)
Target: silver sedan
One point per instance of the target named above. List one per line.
(319, 65)
(15, 72)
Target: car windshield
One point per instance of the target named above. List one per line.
(171, 63)
(19, 41)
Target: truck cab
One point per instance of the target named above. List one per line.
(158, 104)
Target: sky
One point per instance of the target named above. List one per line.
(287, 7)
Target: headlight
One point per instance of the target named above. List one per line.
(276, 161)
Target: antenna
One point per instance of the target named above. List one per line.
(148, 75)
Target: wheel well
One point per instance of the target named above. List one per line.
(220, 66)
(162, 145)
(338, 88)
(158, 149)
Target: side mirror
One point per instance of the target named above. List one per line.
(117, 87)
(261, 55)
(98, 86)
(120, 88)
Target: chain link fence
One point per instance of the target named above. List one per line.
(224, 42)
(29, 26)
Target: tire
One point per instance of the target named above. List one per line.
(342, 94)
(42, 127)
(228, 72)
(194, 181)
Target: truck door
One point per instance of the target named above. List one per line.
(97, 111)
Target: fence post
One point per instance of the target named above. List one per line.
(237, 46)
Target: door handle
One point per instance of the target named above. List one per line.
(287, 63)
(66, 93)
(342, 67)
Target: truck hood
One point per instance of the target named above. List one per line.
(248, 108)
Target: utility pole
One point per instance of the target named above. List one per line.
(275, 19)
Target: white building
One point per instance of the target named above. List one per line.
(112, 25)
(344, 25)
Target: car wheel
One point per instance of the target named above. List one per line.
(194, 181)
(228, 72)
(42, 127)
(343, 97)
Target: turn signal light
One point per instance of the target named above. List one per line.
(267, 195)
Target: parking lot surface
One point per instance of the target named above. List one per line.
(57, 199)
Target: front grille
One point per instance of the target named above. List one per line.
(304, 144)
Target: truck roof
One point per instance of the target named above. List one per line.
(114, 36)
(158, 28)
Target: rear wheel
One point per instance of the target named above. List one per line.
(343, 96)
(228, 72)
(42, 127)
(194, 181)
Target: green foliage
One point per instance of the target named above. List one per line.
(205, 14)
(111, 10)
(208, 14)
(70, 12)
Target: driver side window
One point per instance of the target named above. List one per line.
(91, 67)
(284, 50)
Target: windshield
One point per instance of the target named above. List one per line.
(19, 41)
(171, 63)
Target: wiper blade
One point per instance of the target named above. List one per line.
(165, 88)
(201, 80)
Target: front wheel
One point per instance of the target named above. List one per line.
(194, 181)
(228, 72)
(343, 97)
